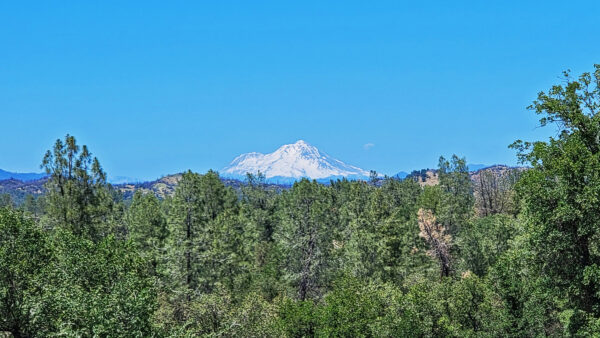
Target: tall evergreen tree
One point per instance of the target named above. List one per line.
(258, 204)
(77, 197)
(196, 205)
(258, 210)
(147, 226)
(6, 201)
(305, 238)
(185, 217)
(30, 205)
(457, 188)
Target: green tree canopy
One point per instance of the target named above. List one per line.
(560, 197)
(77, 197)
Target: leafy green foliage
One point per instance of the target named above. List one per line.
(483, 241)
(68, 285)
(560, 198)
(104, 288)
(24, 252)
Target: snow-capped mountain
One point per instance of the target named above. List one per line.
(292, 162)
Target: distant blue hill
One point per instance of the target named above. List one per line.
(5, 175)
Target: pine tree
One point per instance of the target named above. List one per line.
(185, 217)
(457, 197)
(147, 227)
(6, 201)
(196, 205)
(30, 205)
(305, 238)
(78, 197)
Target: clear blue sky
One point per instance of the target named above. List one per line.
(155, 87)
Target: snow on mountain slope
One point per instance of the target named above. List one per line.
(292, 161)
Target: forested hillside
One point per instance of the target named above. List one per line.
(510, 252)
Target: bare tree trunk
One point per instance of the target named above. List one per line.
(439, 242)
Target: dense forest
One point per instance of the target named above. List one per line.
(515, 253)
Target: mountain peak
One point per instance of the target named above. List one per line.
(303, 144)
(292, 162)
(300, 144)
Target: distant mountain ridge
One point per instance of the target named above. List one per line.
(26, 177)
(6, 175)
(165, 186)
(279, 167)
(292, 162)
